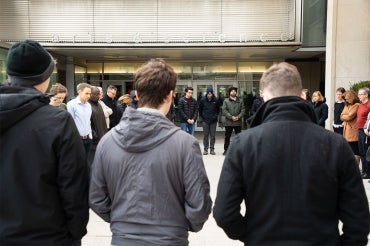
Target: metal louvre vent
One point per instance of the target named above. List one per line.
(142, 21)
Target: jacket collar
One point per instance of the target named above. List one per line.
(284, 108)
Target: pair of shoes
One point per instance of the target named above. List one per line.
(212, 152)
(205, 152)
(224, 152)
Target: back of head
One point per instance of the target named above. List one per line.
(125, 99)
(153, 82)
(280, 80)
(28, 64)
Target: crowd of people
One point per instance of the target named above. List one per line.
(126, 160)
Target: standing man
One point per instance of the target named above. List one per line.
(80, 109)
(363, 142)
(209, 110)
(297, 180)
(98, 123)
(233, 110)
(107, 110)
(43, 171)
(153, 189)
(110, 100)
(188, 108)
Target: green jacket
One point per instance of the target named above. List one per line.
(233, 108)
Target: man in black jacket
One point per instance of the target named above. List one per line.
(188, 109)
(208, 109)
(43, 170)
(297, 179)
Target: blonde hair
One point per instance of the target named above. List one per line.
(125, 99)
(318, 93)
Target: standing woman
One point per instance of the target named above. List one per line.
(338, 108)
(349, 118)
(320, 107)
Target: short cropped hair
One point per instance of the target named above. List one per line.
(153, 81)
(82, 86)
(282, 79)
(188, 88)
(57, 88)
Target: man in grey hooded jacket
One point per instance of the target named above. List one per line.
(148, 178)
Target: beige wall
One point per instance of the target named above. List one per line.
(348, 46)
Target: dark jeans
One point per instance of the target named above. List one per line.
(228, 132)
(76, 243)
(362, 147)
(87, 144)
(209, 132)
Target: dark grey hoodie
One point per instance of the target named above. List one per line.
(148, 180)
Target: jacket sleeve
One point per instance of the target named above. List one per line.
(73, 179)
(99, 199)
(196, 108)
(353, 207)
(198, 202)
(324, 114)
(230, 196)
(181, 108)
(225, 110)
(349, 114)
(242, 109)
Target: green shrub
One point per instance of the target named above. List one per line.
(358, 85)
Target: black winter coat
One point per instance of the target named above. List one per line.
(188, 110)
(297, 180)
(43, 172)
(209, 109)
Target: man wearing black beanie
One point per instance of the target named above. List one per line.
(43, 178)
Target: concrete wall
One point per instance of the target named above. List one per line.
(348, 46)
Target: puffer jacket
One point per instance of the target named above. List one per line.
(148, 180)
(188, 110)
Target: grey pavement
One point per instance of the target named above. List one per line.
(211, 235)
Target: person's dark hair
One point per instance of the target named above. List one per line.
(232, 88)
(111, 87)
(341, 89)
(153, 81)
(189, 89)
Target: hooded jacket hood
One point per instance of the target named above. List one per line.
(142, 130)
(16, 103)
(291, 107)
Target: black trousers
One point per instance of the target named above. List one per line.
(209, 135)
(228, 132)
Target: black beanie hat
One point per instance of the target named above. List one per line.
(28, 64)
